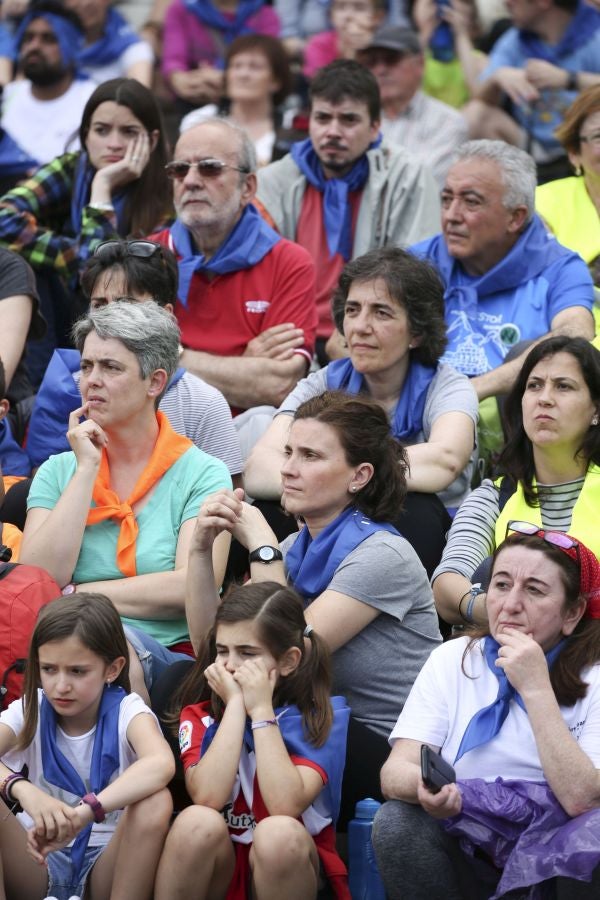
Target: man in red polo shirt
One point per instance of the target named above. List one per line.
(246, 300)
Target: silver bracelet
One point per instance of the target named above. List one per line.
(103, 207)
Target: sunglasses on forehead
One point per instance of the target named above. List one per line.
(114, 249)
(207, 168)
(556, 538)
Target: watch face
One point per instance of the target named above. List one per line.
(267, 554)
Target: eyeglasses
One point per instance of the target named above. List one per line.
(556, 538)
(141, 249)
(207, 168)
(592, 139)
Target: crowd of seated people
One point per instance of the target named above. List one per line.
(299, 408)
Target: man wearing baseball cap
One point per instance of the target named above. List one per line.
(422, 124)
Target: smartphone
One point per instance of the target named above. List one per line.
(435, 771)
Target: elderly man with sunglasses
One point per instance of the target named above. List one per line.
(246, 301)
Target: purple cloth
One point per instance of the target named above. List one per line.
(525, 832)
(187, 43)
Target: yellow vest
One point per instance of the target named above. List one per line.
(584, 522)
(566, 206)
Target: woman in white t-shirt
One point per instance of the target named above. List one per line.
(516, 710)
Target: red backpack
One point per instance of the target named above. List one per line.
(23, 591)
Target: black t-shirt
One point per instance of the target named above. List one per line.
(17, 277)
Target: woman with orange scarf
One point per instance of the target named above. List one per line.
(116, 515)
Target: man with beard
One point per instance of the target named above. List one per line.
(342, 192)
(246, 298)
(42, 111)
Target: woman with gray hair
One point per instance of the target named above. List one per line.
(116, 513)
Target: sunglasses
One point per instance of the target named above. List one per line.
(556, 538)
(207, 168)
(141, 249)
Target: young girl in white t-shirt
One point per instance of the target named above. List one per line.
(93, 795)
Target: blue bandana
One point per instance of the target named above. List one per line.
(535, 250)
(330, 757)
(244, 247)
(408, 414)
(13, 160)
(311, 563)
(70, 39)
(336, 209)
(80, 197)
(486, 723)
(105, 758)
(583, 24)
(212, 17)
(117, 36)
(13, 459)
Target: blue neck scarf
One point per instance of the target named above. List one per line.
(244, 247)
(534, 251)
(70, 39)
(311, 563)
(486, 723)
(13, 160)
(80, 197)
(331, 756)
(337, 216)
(13, 459)
(230, 28)
(578, 32)
(105, 758)
(408, 414)
(118, 35)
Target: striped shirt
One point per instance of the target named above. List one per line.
(471, 538)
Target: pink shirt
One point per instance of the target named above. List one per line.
(320, 50)
(187, 42)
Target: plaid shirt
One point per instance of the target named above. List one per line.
(35, 220)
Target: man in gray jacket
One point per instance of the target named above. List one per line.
(342, 192)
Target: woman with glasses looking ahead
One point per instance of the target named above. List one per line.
(570, 207)
(115, 186)
(550, 469)
(514, 707)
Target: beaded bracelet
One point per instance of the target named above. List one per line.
(5, 790)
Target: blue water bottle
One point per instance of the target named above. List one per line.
(364, 878)
(441, 43)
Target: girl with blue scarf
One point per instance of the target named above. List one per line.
(83, 763)
(515, 708)
(365, 591)
(262, 745)
(115, 186)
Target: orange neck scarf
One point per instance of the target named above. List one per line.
(167, 450)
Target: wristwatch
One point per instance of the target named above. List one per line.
(265, 554)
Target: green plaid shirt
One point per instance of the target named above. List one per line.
(35, 220)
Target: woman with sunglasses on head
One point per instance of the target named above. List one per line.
(115, 186)
(116, 514)
(550, 472)
(134, 271)
(514, 707)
